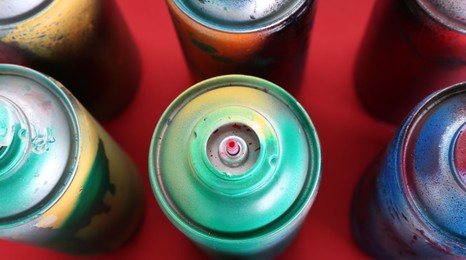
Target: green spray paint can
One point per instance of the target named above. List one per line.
(235, 164)
(64, 183)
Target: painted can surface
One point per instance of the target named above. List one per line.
(411, 49)
(85, 44)
(264, 38)
(411, 203)
(235, 164)
(64, 183)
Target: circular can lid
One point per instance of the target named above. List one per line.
(451, 13)
(12, 11)
(434, 158)
(240, 15)
(208, 182)
(37, 143)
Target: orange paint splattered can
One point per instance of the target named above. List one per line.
(268, 39)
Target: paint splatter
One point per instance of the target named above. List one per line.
(204, 47)
(222, 59)
(451, 63)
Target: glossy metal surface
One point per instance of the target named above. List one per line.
(239, 16)
(12, 11)
(239, 207)
(38, 156)
(451, 13)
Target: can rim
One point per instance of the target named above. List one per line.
(8, 23)
(296, 10)
(307, 194)
(406, 130)
(62, 185)
(440, 17)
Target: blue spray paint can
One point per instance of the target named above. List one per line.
(411, 203)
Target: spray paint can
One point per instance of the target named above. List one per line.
(235, 164)
(411, 49)
(264, 38)
(411, 203)
(64, 183)
(82, 43)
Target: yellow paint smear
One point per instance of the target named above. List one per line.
(59, 31)
(64, 207)
(126, 204)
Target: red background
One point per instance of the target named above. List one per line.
(350, 138)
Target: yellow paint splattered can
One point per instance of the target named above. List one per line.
(64, 183)
(82, 43)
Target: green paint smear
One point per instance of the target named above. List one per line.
(91, 198)
(89, 204)
(204, 47)
(223, 59)
(263, 62)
